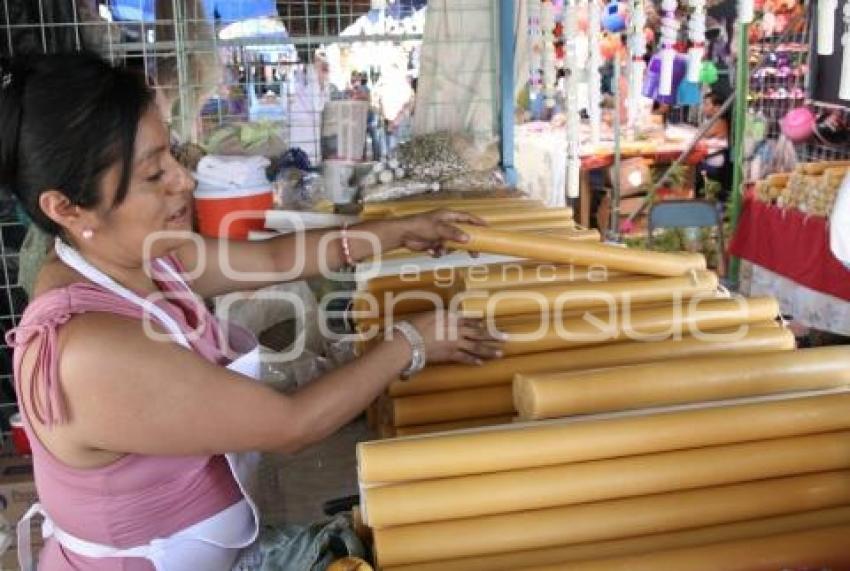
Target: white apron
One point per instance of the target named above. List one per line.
(212, 544)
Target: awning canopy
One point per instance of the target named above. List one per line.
(223, 10)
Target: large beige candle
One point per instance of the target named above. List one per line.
(495, 212)
(384, 209)
(564, 441)
(583, 234)
(453, 425)
(452, 405)
(639, 324)
(551, 299)
(610, 519)
(693, 379)
(567, 484)
(822, 548)
(503, 276)
(636, 545)
(537, 225)
(501, 371)
(442, 278)
(550, 249)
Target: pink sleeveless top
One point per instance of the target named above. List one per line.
(136, 498)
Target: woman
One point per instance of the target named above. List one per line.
(131, 391)
(716, 166)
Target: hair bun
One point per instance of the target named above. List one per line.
(10, 118)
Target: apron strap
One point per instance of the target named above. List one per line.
(75, 544)
(25, 537)
(72, 258)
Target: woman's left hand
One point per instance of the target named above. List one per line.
(428, 231)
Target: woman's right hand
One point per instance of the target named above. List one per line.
(451, 338)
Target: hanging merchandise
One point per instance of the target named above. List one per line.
(689, 93)
(594, 77)
(798, 124)
(637, 65)
(708, 74)
(547, 26)
(573, 67)
(696, 33)
(609, 45)
(826, 26)
(535, 46)
(746, 11)
(652, 87)
(669, 34)
(844, 89)
(615, 19)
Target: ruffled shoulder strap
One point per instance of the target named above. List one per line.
(40, 323)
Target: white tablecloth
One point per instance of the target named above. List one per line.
(540, 158)
(806, 306)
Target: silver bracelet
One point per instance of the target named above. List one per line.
(418, 356)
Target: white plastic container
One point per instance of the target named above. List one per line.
(338, 178)
(344, 129)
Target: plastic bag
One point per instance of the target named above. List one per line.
(305, 548)
(289, 376)
(260, 310)
(295, 189)
(7, 535)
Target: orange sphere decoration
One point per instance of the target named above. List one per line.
(609, 45)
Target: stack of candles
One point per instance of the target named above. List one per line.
(596, 306)
(760, 484)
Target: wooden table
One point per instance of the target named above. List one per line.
(666, 155)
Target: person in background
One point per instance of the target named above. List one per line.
(311, 92)
(360, 90)
(395, 98)
(717, 166)
(140, 405)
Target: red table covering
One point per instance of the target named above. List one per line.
(792, 244)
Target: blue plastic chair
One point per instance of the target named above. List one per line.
(687, 214)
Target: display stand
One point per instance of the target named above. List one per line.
(506, 58)
(742, 74)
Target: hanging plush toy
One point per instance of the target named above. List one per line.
(573, 66)
(708, 74)
(637, 40)
(609, 45)
(696, 33)
(594, 77)
(669, 33)
(615, 17)
(746, 10)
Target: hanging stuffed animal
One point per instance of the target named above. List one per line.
(696, 34)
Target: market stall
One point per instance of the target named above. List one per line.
(541, 160)
(789, 256)
(460, 367)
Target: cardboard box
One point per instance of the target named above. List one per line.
(9, 560)
(17, 487)
(17, 494)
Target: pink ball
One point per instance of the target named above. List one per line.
(798, 124)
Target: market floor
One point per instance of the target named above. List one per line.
(294, 487)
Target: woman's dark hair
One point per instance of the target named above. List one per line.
(65, 119)
(715, 98)
(718, 99)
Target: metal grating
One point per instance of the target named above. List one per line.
(12, 303)
(208, 78)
